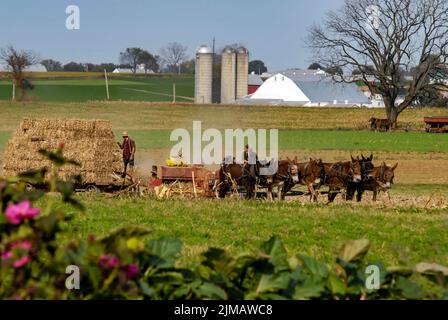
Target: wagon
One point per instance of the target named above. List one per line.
(192, 181)
(436, 124)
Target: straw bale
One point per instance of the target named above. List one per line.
(91, 143)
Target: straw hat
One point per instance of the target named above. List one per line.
(125, 134)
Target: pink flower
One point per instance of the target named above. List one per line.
(6, 255)
(108, 261)
(16, 213)
(24, 245)
(132, 271)
(21, 262)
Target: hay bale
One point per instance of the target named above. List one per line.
(91, 143)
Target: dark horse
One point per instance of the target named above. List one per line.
(233, 175)
(286, 174)
(338, 175)
(379, 179)
(366, 171)
(379, 124)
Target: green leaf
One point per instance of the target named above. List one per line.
(354, 250)
(409, 289)
(313, 266)
(165, 252)
(273, 282)
(218, 260)
(308, 290)
(146, 289)
(276, 251)
(336, 285)
(125, 232)
(211, 291)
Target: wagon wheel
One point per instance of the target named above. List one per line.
(92, 189)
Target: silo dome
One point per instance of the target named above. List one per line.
(228, 50)
(204, 49)
(242, 50)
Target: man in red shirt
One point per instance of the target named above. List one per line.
(128, 147)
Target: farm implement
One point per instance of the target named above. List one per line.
(186, 181)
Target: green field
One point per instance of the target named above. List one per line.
(125, 88)
(312, 140)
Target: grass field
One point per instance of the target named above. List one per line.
(120, 88)
(398, 235)
(413, 227)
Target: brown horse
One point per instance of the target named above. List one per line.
(379, 124)
(287, 173)
(311, 174)
(233, 175)
(338, 175)
(380, 179)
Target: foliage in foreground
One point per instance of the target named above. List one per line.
(123, 266)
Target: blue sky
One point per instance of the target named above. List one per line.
(274, 31)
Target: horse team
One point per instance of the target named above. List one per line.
(350, 178)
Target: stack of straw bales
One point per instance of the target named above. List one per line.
(91, 143)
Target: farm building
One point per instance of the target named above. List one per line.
(317, 91)
(253, 83)
(140, 69)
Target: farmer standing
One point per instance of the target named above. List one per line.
(128, 147)
(251, 158)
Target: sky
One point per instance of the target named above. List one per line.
(273, 31)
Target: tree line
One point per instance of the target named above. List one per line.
(171, 58)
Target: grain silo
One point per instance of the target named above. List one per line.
(228, 75)
(242, 72)
(203, 75)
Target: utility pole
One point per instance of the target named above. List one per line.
(213, 50)
(174, 92)
(107, 84)
(13, 90)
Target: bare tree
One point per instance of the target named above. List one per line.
(173, 55)
(392, 36)
(17, 62)
(132, 57)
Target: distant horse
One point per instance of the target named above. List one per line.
(287, 173)
(380, 179)
(379, 124)
(366, 171)
(231, 176)
(338, 175)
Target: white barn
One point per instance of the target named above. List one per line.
(282, 90)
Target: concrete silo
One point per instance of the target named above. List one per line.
(242, 71)
(203, 75)
(228, 75)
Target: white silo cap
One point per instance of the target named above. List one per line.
(204, 49)
(242, 50)
(228, 49)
